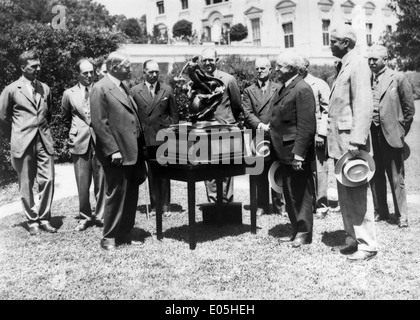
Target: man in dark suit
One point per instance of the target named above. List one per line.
(393, 111)
(76, 114)
(119, 147)
(293, 127)
(257, 105)
(25, 115)
(227, 113)
(157, 110)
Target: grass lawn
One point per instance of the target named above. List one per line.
(229, 262)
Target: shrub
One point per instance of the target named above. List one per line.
(182, 29)
(238, 32)
(59, 51)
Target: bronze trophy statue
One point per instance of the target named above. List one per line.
(204, 92)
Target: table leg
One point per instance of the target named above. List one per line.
(159, 208)
(191, 214)
(219, 202)
(253, 202)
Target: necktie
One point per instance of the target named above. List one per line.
(86, 93)
(338, 67)
(152, 91)
(263, 87)
(33, 84)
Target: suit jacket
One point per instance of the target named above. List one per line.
(21, 118)
(351, 106)
(230, 107)
(115, 122)
(258, 107)
(322, 94)
(396, 107)
(293, 122)
(157, 113)
(73, 110)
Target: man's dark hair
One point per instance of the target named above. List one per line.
(26, 56)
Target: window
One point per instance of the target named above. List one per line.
(369, 33)
(256, 31)
(326, 32)
(161, 7)
(389, 28)
(184, 4)
(348, 22)
(288, 35)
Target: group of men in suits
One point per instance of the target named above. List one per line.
(113, 134)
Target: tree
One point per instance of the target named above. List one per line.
(404, 43)
(238, 32)
(131, 27)
(182, 29)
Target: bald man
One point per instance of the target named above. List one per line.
(321, 92)
(157, 110)
(393, 111)
(227, 112)
(350, 117)
(257, 104)
(75, 111)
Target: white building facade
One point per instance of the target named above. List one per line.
(300, 25)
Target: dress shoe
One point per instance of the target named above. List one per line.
(83, 225)
(348, 249)
(379, 217)
(286, 239)
(402, 224)
(297, 243)
(47, 227)
(360, 255)
(34, 230)
(108, 246)
(260, 212)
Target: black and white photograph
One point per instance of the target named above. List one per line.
(209, 155)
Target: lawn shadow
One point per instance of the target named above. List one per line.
(281, 230)
(174, 207)
(334, 239)
(56, 222)
(206, 232)
(140, 234)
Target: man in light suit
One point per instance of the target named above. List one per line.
(25, 115)
(119, 147)
(227, 113)
(322, 93)
(350, 117)
(76, 114)
(257, 105)
(293, 127)
(393, 111)
(157, 110)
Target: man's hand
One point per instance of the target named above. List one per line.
(297, 165)
(116, 158)
(265, 127)
(354, 149)
(319, 141)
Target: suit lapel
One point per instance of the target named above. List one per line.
(268, 94)
(338, 75)
(78, 102)
(257, 93)
(24, 90)
(156, 99)
(385, 82)
(286, 90)
(117, 93)
(145, 95)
